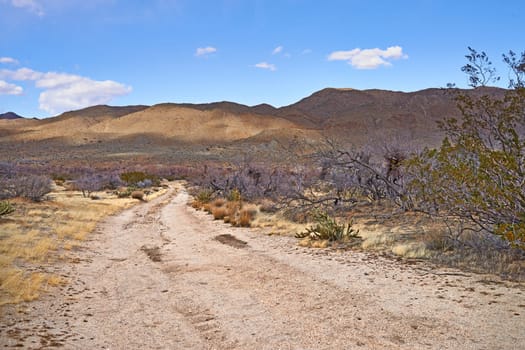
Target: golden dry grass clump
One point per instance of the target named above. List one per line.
(137, 195)
(247, 215)
(218, 212)
(309, 243)
(234, 212)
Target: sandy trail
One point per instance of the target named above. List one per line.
(157, 277)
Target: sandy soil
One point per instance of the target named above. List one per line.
(164, 276)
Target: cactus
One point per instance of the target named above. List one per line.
(6, 208)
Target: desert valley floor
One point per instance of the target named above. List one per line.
(162, 275)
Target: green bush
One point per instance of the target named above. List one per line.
(327, 228)
(6, 208)
(204, 196)
(477, 175)
(234, 195)
(125, 193)
(139, 178)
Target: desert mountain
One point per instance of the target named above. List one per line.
(201, 123)
(214, 122)
(378, 116)
(355, 116)
(69, 123)
(9, 116)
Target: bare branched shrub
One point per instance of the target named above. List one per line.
(347, 175)
(89, 183)
(328, 178)
(33, 187)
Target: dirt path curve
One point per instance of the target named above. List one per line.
(164, 276)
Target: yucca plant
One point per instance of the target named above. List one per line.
(327, 228)
(6, 208)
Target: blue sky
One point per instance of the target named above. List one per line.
(58, 55)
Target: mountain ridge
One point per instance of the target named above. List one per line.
(357, 116)
(10, 116)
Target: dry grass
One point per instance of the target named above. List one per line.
(38, 235)
(411, 250)
(218, 212)
(235, 212)
(137, 195)
(277, 224)
(219, 202)
(247, 215)
(310, 243)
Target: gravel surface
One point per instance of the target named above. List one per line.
(164, 276)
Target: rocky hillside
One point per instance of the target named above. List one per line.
(353, 116)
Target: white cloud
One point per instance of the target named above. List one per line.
(266, 65)
(203, 51)
(20, 74)
(10, 89)
(82, 92)
(31, 5)
(306, 51)
(277, 50)
(368, 58)
(8, 60)
(63, 91)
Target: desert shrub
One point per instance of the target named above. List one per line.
(125, 193)
(234, 195)
(145, 183)
(139, 179)
(233, 207)
(218, 202)
(204, 196)
(7, 170)
(224, 210)
(137, 195)
(268, 206)
(60, 179)
(230, 212)
(113, 182)
(477, 174)
(132, 177)
(88, 184)
(327, 228)
(219, 212)
(6, 208)
(33, 187)
(348, 174)
(246, 216)
(92, 182)
(248, 180)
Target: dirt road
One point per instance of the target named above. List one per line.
(164, 276)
